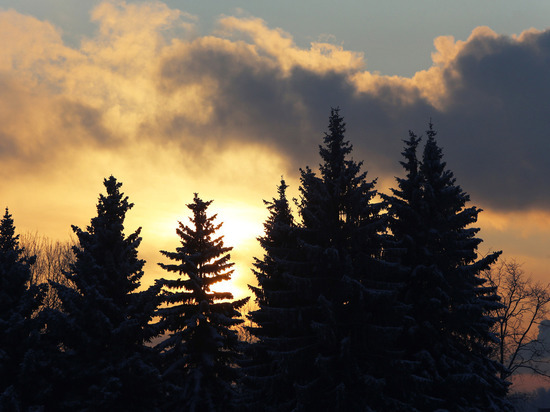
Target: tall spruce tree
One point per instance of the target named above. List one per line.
(104, 322)
(337, 275)
(411, 385)
(19, 328)
(200, 354)
(446, 339)
(269, 385)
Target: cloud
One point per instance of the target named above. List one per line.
(496, 118)
(280, 47)
(146, 78)
(487, 96)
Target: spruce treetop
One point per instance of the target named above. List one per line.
(276, 240)
(279, 209)
(404, 206)
(9, 241)
(111, 209)
(336, 148)
(202, 256)
(411, 165)
(437, 178)
(104, 245)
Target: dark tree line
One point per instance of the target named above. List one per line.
(364, 303)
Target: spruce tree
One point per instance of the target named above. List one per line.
(201, 350)
(337, 274)
(19, 328)
(446, 338)
(104, 321)
(411, 385)
(269, 385)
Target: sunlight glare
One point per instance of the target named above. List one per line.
(241, 225)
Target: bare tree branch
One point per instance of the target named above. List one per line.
(52, 262)
(526, 304)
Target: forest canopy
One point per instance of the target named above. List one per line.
(363, 301)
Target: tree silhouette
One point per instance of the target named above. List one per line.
(104, 322)
(19, 329)
(269, 385)
(199, 356)
(330, 354)
(447, 337)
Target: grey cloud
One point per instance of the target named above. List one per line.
(497, 129)
(86, 124)
(256, 102)
(494, 129)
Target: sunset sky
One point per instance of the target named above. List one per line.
(222, 98)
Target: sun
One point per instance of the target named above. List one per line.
(241, 225)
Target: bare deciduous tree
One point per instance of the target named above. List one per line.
(52, 262)
(526, 306)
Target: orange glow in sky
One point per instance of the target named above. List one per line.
(169, 111)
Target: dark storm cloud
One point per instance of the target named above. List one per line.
(255, 101)
(251, 102)
(493, 123)
(496, 128)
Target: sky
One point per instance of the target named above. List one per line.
(224, 98)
